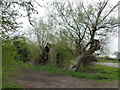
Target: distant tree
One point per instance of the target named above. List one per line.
(41, 32)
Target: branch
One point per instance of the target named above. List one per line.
(100, 11)
(108, 13)
(87, 14)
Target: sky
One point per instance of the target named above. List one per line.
(113, 45)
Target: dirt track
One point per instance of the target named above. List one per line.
(38, 79)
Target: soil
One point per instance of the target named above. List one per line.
(38, 79)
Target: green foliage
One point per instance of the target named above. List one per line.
(22, 48)
(13, 50)
(10, 14)
(6, 74)
(34, 52)
(9, 59)
(10, 85)
(88, 60)
(64, 54)
(9, 54)
(97, 72)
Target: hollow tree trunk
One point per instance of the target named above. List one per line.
(52, 56)
(94, 46)
(48, 55)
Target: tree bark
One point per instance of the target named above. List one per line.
(52, 56)
(94, 46)
(48, 55)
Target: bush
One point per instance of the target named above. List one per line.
(64, 54)
(22, 48)
(9, 59)
(34, 53)
(9, 54)
(88, 60)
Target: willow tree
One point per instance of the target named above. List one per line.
(86, 25)
(41, 31)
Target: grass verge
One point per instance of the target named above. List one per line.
(107, 61)
(97, 72)
(8, 72)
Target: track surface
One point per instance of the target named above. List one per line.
(38, 79)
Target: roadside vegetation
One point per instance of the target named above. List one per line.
(95, 72)
(62, 42)
(108, 60)
(12, 55)
(9, 59)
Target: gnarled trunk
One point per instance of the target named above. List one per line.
(48, 55)
(52, 55)
(94, 46)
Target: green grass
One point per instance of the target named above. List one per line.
(105, 60)
(97, 72)
(9, 84)
(8, 72)
(108, 61)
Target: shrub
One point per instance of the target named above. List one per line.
(22, 48)
(64, 54)
(88, 60)
(34, 53)
(9, 59)
(9, 54)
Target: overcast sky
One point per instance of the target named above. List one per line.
(113, 45)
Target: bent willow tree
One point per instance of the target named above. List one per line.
(87, 26)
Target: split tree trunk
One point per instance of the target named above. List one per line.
(94, 46)
(52, 56)
(48, 55)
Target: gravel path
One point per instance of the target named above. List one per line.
(116, 65)
(38, 79)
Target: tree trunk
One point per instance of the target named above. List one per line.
(48, 55)
(94, 46)
(52, 56)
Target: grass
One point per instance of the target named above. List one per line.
(9, 56)
(105, 60)
(9, 84)
(108, 61)
(8, 72)
(97, 72)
